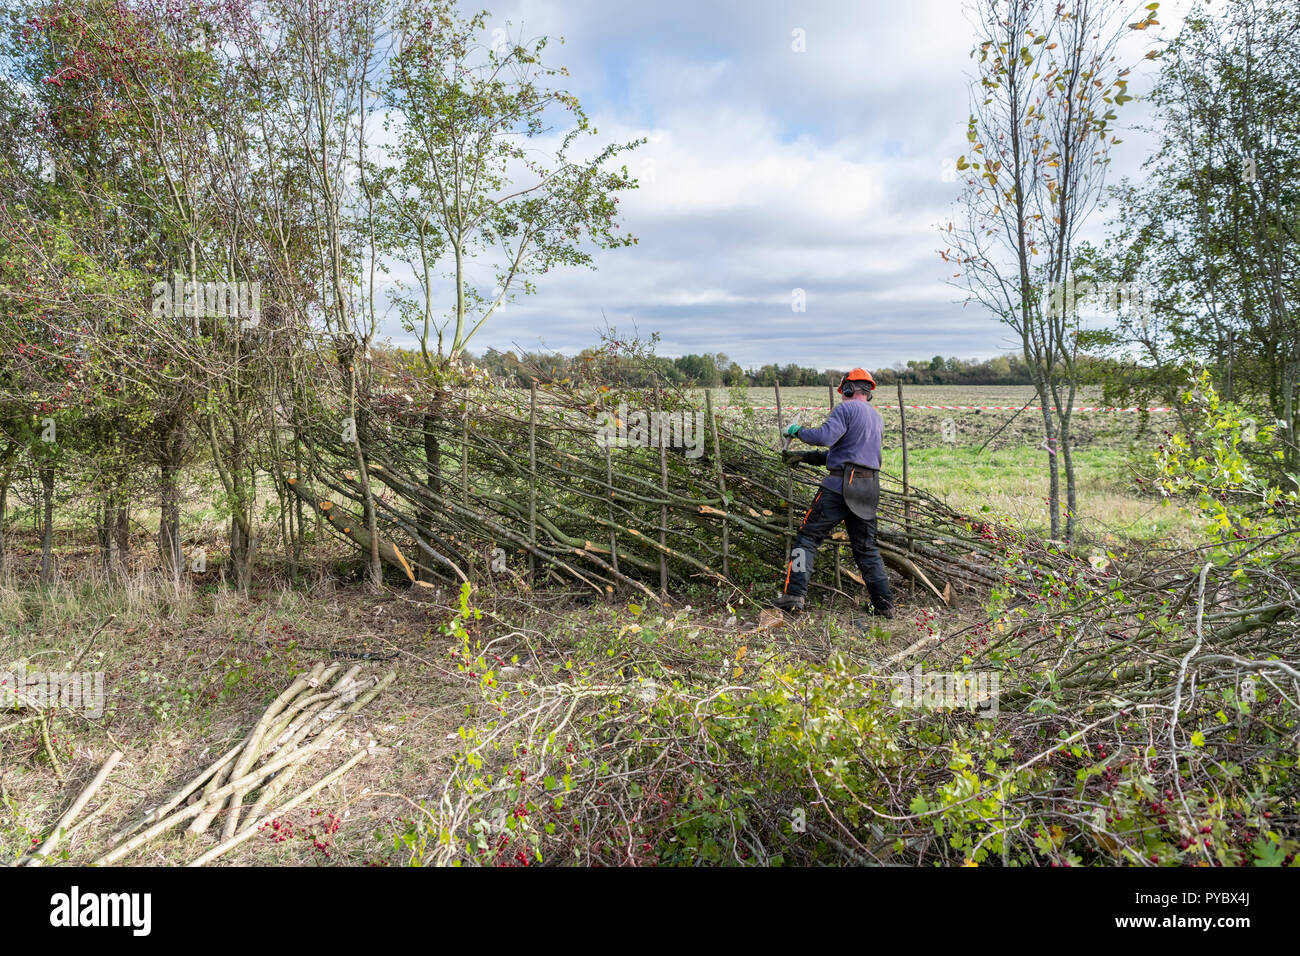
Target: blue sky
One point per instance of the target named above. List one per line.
(769, 170)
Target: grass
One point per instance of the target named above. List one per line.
(1014, 482)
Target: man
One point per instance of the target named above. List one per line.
(849, 493)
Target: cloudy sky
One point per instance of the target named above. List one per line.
(769, 170)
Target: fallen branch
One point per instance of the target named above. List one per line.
(253, 827)
(46, 848)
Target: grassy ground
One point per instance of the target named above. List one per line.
(187, 675)
(1014, 482)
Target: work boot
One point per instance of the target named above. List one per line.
(788, 602)
(887, 613)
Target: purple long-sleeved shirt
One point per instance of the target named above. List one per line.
(852, 431)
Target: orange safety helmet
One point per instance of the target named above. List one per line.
(857, 375)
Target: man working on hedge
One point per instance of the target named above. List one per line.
(849, 493)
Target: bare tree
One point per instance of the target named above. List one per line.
(1043, 101)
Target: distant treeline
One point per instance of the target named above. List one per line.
(717, 370)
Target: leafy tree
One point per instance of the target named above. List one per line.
(1212, 230)
(472, 184)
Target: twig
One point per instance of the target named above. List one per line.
(90, 643)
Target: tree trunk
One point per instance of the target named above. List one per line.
(243, 552)
(47, 538)
(123, 534)
(169, 514)
(103, 533)
(1050, 440)
(1291, 453)
(433, 477)
(1065, 419)
(4, 497)
(114, 535)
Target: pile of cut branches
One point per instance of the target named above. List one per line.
(1142, 726)
(247, 786)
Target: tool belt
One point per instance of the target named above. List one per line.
(860, 486)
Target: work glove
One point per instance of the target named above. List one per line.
(792, 458)
(792, 430)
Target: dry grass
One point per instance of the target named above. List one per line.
(186, 677)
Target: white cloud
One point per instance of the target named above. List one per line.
(768, 170)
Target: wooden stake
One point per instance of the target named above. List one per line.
(464, 453)
(835, 545)
(464, 471)
(722, 483)
(253, 779)
(789, 481)
(907, 502)
(253, 748)
(532, 479)
(609, 480)
(663, 484)
(252, 828)
(78, 805)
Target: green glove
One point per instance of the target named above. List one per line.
(792, 430)
(792, 458)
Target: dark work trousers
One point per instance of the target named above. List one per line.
(828, 509)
